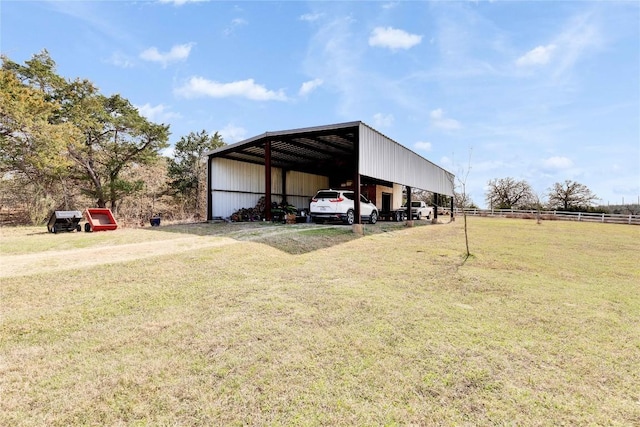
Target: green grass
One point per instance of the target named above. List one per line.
(320, 327)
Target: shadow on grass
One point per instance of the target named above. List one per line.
(294, 239)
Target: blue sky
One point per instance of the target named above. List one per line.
(541, 91)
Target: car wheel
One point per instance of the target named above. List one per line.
(419, 216)
(374, 217)
(351, 218)
(87, 228)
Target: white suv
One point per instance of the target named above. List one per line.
(338, 205)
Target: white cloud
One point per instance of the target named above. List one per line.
(310, 17)
(381, 120)
(310, 86)
(177, 53)
(334, 56)
(557, 163)
(536, 56)
(235, 23)
(158, 113)
(232, 133)
(120, 60)
(580, 37)
(390, 5)
(181, 2)
(422, 146)
(440, 121)
(199, 86)
(393, 38)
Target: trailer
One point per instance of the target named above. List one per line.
(397, 215)
(419, 210)
(99, 219)
(64, 221)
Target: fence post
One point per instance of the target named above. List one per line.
(630, 215)
(579, 214)
(602, 216)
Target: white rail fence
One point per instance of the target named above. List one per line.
(555, 215)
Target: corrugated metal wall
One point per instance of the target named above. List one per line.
(383, 158)
(236, 185)
(301, 187)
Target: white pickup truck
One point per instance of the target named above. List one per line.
(419, 210)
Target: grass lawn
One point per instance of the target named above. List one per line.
(317, 326)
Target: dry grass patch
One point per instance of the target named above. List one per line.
(537, 328)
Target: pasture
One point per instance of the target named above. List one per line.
(218, 324)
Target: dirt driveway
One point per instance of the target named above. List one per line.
(51, 261)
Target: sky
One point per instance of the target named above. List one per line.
(540, 91)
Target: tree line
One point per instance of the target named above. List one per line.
(509, 193)
(66, 146)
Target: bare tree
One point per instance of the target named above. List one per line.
(462, 199)
(507, 193)
(539, 204)
(570, 195)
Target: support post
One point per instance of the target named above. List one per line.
(452, 206)
(209, 190)
(356, 179)
(409, 214)
(267, 180)
(436, 202)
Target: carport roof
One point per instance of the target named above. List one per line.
(311, 149)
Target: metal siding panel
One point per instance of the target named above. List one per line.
(231, 175)
(225, 203)
(305, 184)
(237, 185)
(383, 158)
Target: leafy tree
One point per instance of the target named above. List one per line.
(97, 136)
(32, 145)
(187, 169)
(507, 193)
(570, 195)
(116, 136)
